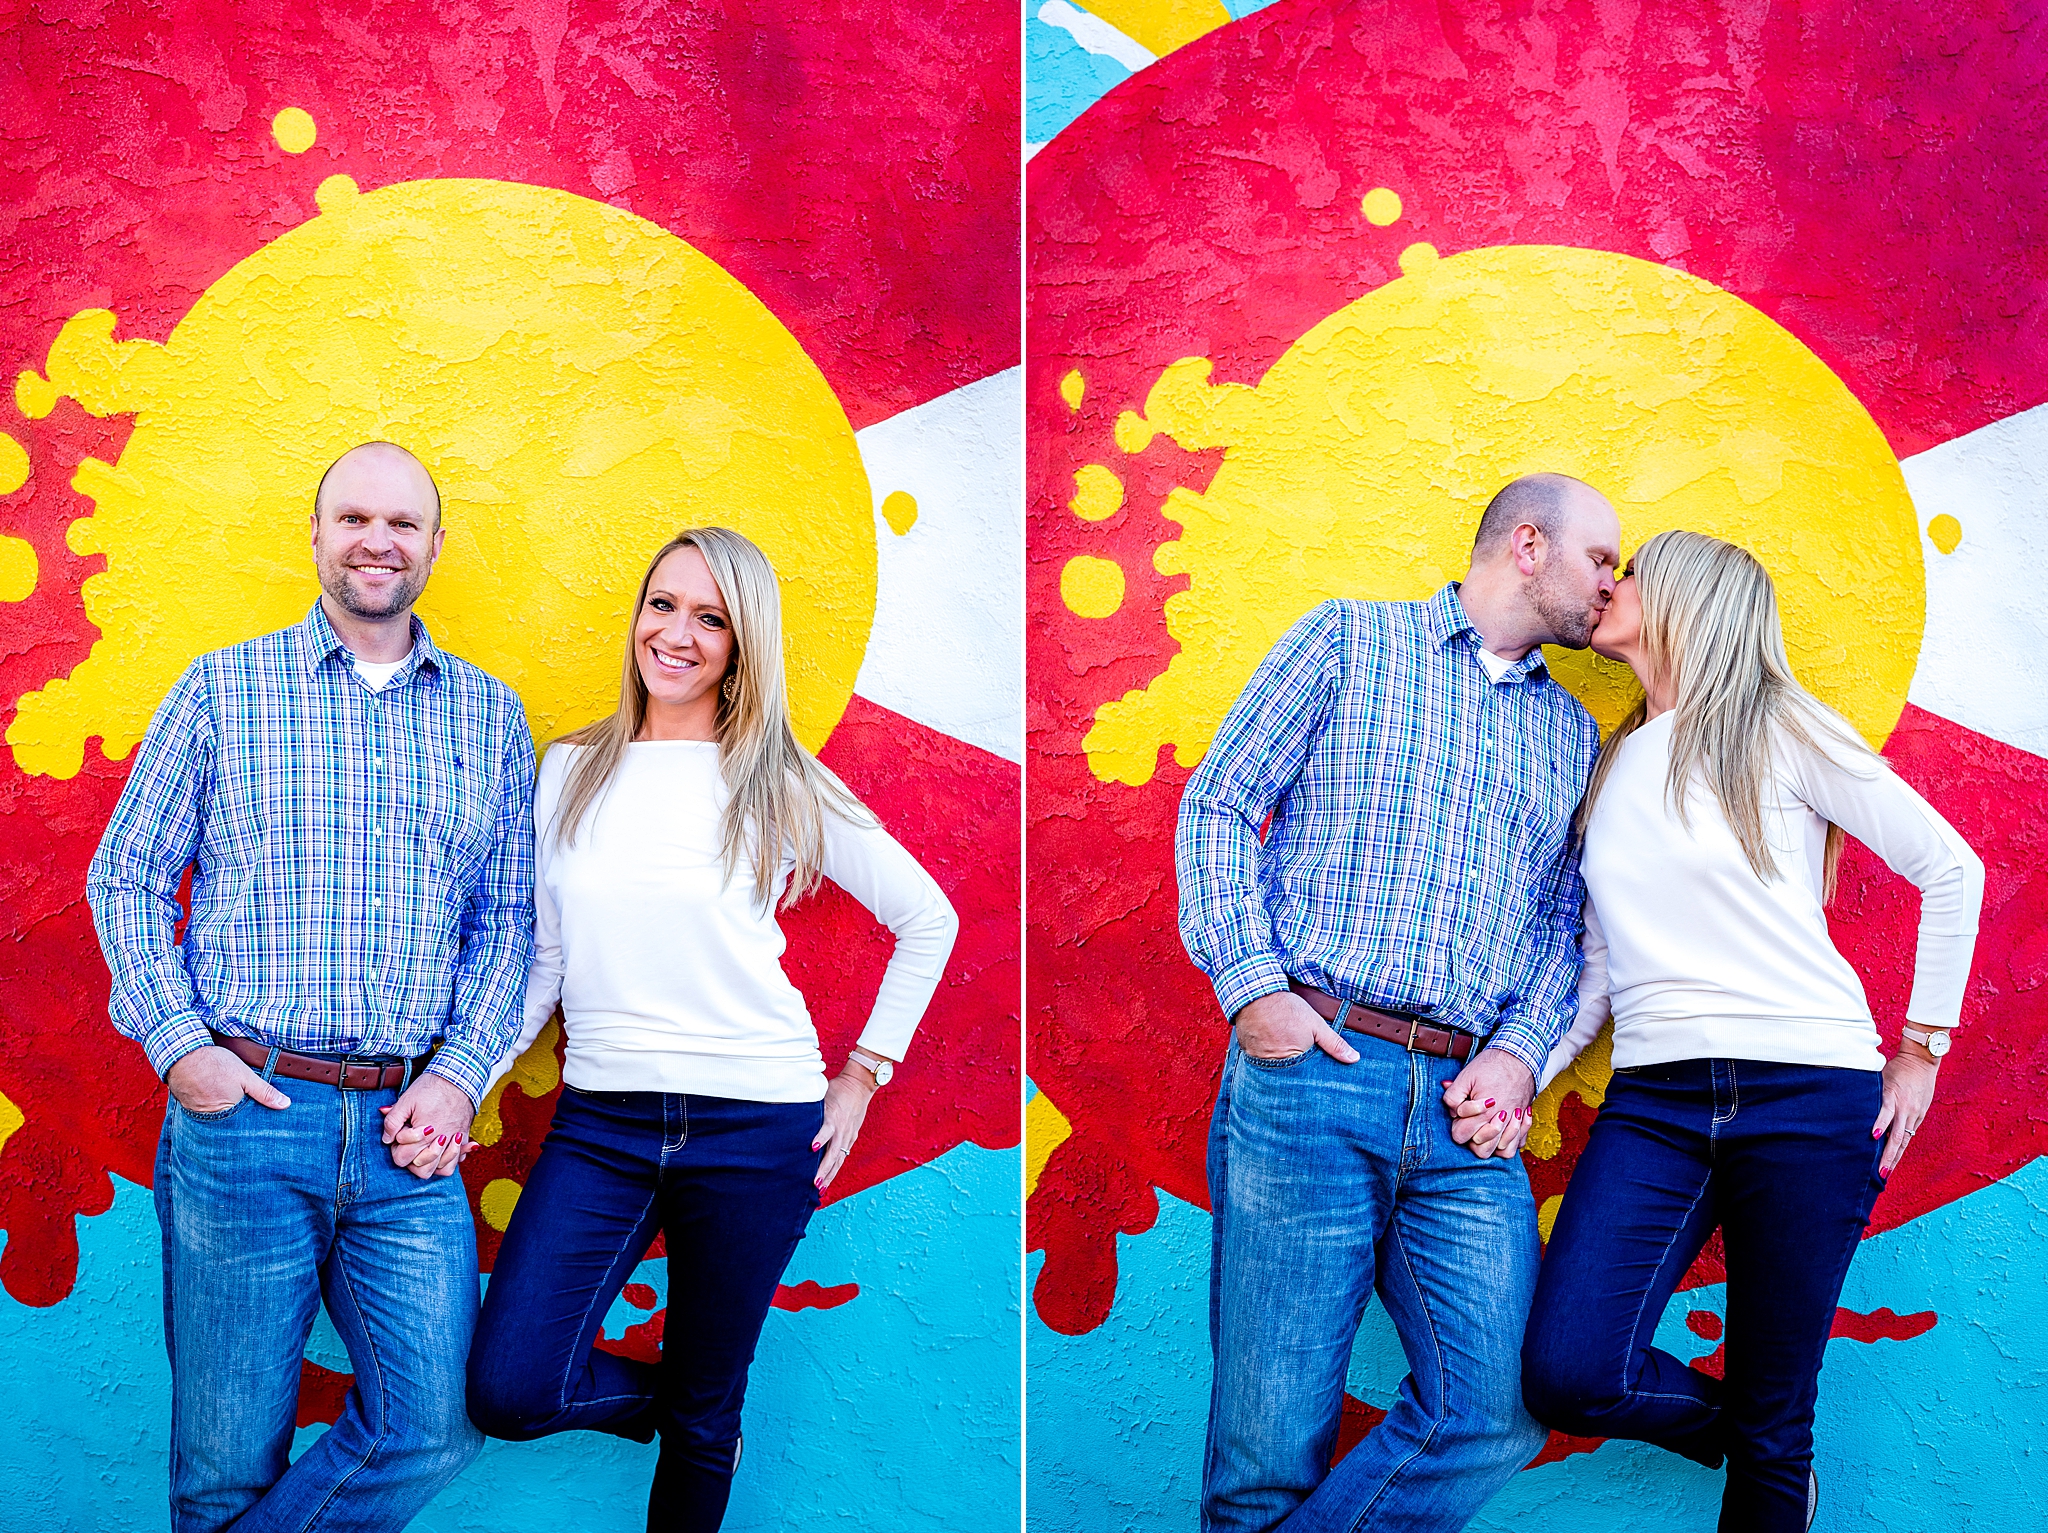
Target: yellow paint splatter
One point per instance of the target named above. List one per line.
(899, 510)
(1073, 389)
(294, 130)
(1546, 1216)
(536, 1072)
(18, 569)
(14, 466)
(1092, 587)
(335, 193)
(1586, 1078)
(11, 1118)
(1160, 26)
(1945, 533)
(1418, 259)
(582, 383)
(1098, 493)
(1133, 433)
(1381, 206)
(1359, 465)
(497, 1201)
(1045, 1129)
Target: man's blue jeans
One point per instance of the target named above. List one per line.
(264, 1212)
(1328, 1182)
(1781, 1158)
(728, 1184)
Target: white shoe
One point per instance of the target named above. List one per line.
(1812, 1496)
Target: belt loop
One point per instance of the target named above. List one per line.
(270, 1064)
(405, 1075)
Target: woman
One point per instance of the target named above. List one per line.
(1749, 1090)
(696, 1104)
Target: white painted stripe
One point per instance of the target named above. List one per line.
(1096, 35)
(1982, 661)
(947, 647)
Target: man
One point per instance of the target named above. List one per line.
(1412, 914)
(355, 809)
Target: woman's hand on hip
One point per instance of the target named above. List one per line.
(1908, 1093)
(846, 1108)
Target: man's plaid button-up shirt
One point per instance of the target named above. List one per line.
(1420, 856)
(362, 861)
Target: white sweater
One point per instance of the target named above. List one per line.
(669, 978)
(1696, 957)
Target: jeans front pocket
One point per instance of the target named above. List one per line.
(1284, 1062)
(210, 1117)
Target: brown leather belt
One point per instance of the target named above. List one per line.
(327, 1072)
(1413, 1034)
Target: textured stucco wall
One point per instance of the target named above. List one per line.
(610, 270)
(1302, 293)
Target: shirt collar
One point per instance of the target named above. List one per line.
(1449, 625)
(318, 640)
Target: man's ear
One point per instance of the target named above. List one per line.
(1526, 545)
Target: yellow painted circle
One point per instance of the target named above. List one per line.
(1360, 463)
(497, 1201)
(583, 384)
(18, 569)
(1945, 533)
(1381, 206)
(294, 130)
(1098, 493)
(1092, 587)
(1073, 388)
(14, 465)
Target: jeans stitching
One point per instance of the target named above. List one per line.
(377, 1370)
(1636, 1325)
(1436, 1418)
(1735, 1095)
(575, 1360)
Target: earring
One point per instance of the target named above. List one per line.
(726, 686)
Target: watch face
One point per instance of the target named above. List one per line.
(883, 1070)
(1937, 1044)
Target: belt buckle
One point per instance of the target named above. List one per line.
(350, 1062)
(1414, 1023)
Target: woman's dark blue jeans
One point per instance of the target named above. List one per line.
(1781, 1158)
(729, 1185)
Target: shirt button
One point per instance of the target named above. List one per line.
(376, 830)
(376, 904)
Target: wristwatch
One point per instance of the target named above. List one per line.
(881, 1069)
(1935, 1040)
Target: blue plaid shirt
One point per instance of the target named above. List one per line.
(362, 861)
(1420, 857)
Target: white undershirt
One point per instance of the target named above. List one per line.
(669, 978)
(378, 673)
(1698, 958)
(1496, 667)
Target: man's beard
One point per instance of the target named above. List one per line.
(338, 582)
(1564, 614)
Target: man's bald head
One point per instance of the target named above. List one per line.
(383, 470)
(1544, 501)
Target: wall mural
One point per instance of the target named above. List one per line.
(610, 271)
(1303, 293)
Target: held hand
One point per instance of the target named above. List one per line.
(1282, 1025)
(1908, 1093)
(1489, 1103)
(846, 1108)
(428, 1127)
(212, 1080)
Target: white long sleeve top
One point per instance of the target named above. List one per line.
(1695, 957)
(669, 977)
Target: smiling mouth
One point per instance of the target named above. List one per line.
(671, 662)
(378, 569)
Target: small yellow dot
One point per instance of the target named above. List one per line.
(293, 130)
(17, 569)
(498, 1201)
(13, 465)
(1381, 206)
(1133, 432)
(1098, 494)
(1092, 587)
(1945, 533)
(336, 193)
(35, 395)
(899, 510)
(1073, 388)
(1417, 259)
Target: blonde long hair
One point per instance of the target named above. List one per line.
(1711, 626)
(778, 793)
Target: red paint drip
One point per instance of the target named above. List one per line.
(639, 1295)
(1705, 1323)
(808, 1295)
(1358, 1419)
(1881, 1325)
(641, 1342)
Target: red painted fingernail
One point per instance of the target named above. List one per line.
(442, 1140)
(1503, 1117)
(1874, 1133)
(1883, 1174)
(1489, 1101)
(428, 1129)
(1518, 1112)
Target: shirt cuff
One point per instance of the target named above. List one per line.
(1523, 1043)
(463, 1066)
(1239, 984)
(173, 1038)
